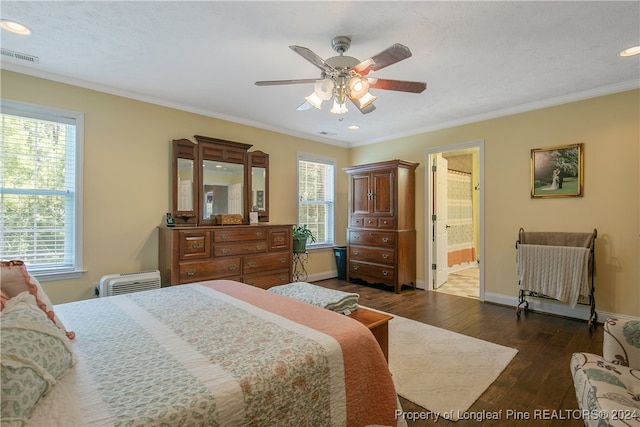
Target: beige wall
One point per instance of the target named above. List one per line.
(609, 127)
(127, 175)
(126, 185)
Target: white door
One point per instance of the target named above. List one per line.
(440, 229)
(235, 199)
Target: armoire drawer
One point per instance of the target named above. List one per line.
(373, 273)
(245, 248)
(266, 262)
(375, 238)
(375, 255)
(210, 269)
(269, 280)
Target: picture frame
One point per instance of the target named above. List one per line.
(557, 171)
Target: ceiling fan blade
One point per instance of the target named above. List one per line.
(284, 82)
(391, 55)
(399, 85)
(313, 58)
(304, 106)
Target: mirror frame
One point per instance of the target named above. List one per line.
(215, 149)
(184, 149)
(259, 159)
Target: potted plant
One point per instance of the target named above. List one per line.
(300, 236)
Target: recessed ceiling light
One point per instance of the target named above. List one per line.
(353, 127)
(14, 27)
(635, 50)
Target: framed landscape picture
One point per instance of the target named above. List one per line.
(557, 171)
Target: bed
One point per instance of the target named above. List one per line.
(216, 353)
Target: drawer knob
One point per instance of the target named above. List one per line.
(279, 239)
(195, 245)
(252, 283)
(258, 233)
(385, 239)
(384, 222)
(385, 273)
(283, 260)
(252, 264)
(355, 267)
(284, 278)
(191, 272)
(385, 256)
(232, 266)
(224, 236)
(356, 252)
(258, 247)
(356, 237)
(224, 250)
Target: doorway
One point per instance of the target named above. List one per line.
(454, 219)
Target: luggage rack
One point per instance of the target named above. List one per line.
(562, 239)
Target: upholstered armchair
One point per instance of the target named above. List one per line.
(608, 386)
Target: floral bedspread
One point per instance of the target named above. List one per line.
(200, 355)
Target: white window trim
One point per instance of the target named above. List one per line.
(319, 159)
(39, 111)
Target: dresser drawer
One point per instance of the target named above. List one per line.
(372, 273)
(240, 248)
(279, 239)
(239, 234)
(266, 262)
(194, 245)
(375, 255)
(211, 269)
(376, 238)
(269, 280)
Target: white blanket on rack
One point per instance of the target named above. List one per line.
(561, 272)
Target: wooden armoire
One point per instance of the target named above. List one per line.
(381, 234)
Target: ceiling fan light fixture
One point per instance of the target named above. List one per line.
(314, 100)
(366, 100)
(323, 89)
(338, 108)
(358, 87)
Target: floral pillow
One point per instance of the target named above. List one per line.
(14, 279)
(34, 355)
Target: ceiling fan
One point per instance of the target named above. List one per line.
(345, 77)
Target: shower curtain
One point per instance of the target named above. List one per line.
(460, 218)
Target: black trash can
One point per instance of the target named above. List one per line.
(340, 253)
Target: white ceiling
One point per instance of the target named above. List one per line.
(480, 59)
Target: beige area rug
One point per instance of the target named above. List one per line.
(442, 371)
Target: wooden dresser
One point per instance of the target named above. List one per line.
(259, 255)
(381, 233)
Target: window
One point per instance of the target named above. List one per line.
(40, 189)
(316, 196)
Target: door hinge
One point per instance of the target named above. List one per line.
(433, 217)
(433, 168)
(433, 266)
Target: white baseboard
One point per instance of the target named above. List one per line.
(555, 307)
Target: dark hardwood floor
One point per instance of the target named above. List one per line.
(537, 382)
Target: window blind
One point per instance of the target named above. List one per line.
(38, 188)
(316, 196)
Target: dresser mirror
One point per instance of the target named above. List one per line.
(228, 179)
